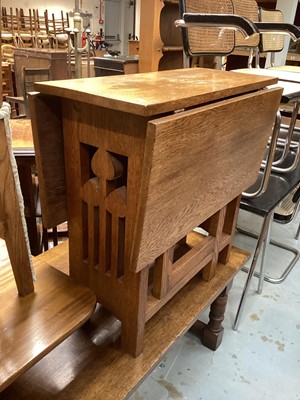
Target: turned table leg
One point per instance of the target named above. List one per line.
(211, 334)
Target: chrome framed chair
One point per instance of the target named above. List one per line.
(271, 188)
(238, 16)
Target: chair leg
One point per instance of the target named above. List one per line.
(263, 259)
(287, 270)
(259, 245)
(298, 232)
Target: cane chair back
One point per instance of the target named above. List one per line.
(249, 10)
(270, 42)
(211, 40)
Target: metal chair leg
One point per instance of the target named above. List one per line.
(263, 259)
(260, 242)
(298, 232)
(287, 270)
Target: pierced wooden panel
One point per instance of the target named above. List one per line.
(271, 41)
(210, 40)
(247, 9)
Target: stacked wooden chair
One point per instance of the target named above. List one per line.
(33, 29)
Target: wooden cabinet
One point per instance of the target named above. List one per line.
(160, 41)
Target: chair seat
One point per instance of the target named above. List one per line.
(15, 99)
(279, 187)
(33, 325)
(285, 210)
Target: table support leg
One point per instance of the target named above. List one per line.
(211, 334)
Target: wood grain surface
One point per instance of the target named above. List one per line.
(91, 364)
(192, 167)
(155, 93)
(11, 227)
(33, 325)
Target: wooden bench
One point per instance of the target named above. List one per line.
(91, 364)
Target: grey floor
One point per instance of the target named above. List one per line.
(259, 361)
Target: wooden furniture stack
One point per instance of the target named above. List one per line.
(148, 158)
(34, 30)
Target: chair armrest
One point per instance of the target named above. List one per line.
(279, 27)
(270, 157)
(229, 21)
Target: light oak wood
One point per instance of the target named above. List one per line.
(11, 227)
(139, 181)
(191, 189)
(22, 135)
(86, 365)
(32, 326)
(51, 174)
(142, 94)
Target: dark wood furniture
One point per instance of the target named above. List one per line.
(40, 58)
(140, 176)
(22, 143)
(119, 65)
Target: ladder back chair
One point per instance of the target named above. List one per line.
(45, 313)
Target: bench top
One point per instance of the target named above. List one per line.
(88, 365)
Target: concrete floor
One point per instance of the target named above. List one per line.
(259, 361)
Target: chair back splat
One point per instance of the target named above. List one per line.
(12, 222)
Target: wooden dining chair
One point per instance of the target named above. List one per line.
(12, 219)
(29, 77)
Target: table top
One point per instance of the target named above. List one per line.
(154, 93)
(282, 74)
(22, 140)
(289, 81)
